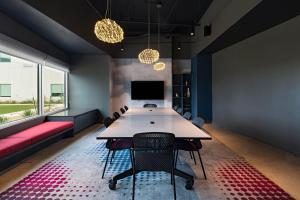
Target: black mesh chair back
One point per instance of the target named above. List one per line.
(153, 151)
(179, 110)
(187, 115)
(108, 121)
(126, 108)
(116, 115)
(150, 105)
(122, 110)
(175, 107)
(198, 121)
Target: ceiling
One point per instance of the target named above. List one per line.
(177, 17)
(69, 24)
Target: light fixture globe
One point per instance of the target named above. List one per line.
(148, 56)
(159, 66)
(107, 30)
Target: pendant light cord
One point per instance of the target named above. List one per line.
(149, 26)
(158, 29)
(108, 9)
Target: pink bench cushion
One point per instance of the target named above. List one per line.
(30, 136)
(44, 130)
(11, 145)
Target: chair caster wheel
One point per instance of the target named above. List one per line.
(189, 184)
(112, 184)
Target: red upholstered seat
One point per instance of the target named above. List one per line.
(42, 131)
(10, 145)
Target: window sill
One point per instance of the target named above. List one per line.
(29, 118)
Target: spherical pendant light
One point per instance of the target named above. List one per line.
(148, 56)
(159, 66)
(107, 30)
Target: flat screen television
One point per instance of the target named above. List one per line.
(147, 90)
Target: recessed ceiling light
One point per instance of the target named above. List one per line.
(122, 49)
(178, 46)
(192, 31)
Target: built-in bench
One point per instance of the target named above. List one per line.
(27, 137)
(22, 139)
(82, 118)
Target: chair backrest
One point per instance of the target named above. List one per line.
(179, 110)
(187, 115)
(108, 121)
(116, 115)
(150, 105)
(198, 121)
(126, 108)
(153, 151)
(175, 107)
(122, 110)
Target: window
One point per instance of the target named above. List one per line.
(18, 88)
(20, 82)
(4, 57)
(5, 90)
(57, 90)
(53, 89)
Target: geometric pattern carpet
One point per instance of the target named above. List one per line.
(76, 174)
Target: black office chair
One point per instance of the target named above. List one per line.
(116, 115)
(122, 110)
(187, 115)
(153, 151)
(126, 108)
(198, 121)
(108, 121)
(179, 110)
(175, 107)
(191, 145)
(114, 145)
(150, 105)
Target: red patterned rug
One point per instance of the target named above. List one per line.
(75, 174)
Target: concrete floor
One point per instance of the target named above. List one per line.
(281, 167)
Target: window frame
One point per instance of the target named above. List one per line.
(40, 100)
(42, 96)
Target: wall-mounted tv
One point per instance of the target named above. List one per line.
(147, 90)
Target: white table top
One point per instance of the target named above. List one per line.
(165, 120)
(151, 111)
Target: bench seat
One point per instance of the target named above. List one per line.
(11, 145)
(30, 136)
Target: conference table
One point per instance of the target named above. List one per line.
(138, 120)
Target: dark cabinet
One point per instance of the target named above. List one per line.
(182, 92)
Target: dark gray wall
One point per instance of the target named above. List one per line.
(89, 83)
(256, 86)
(18, 32)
